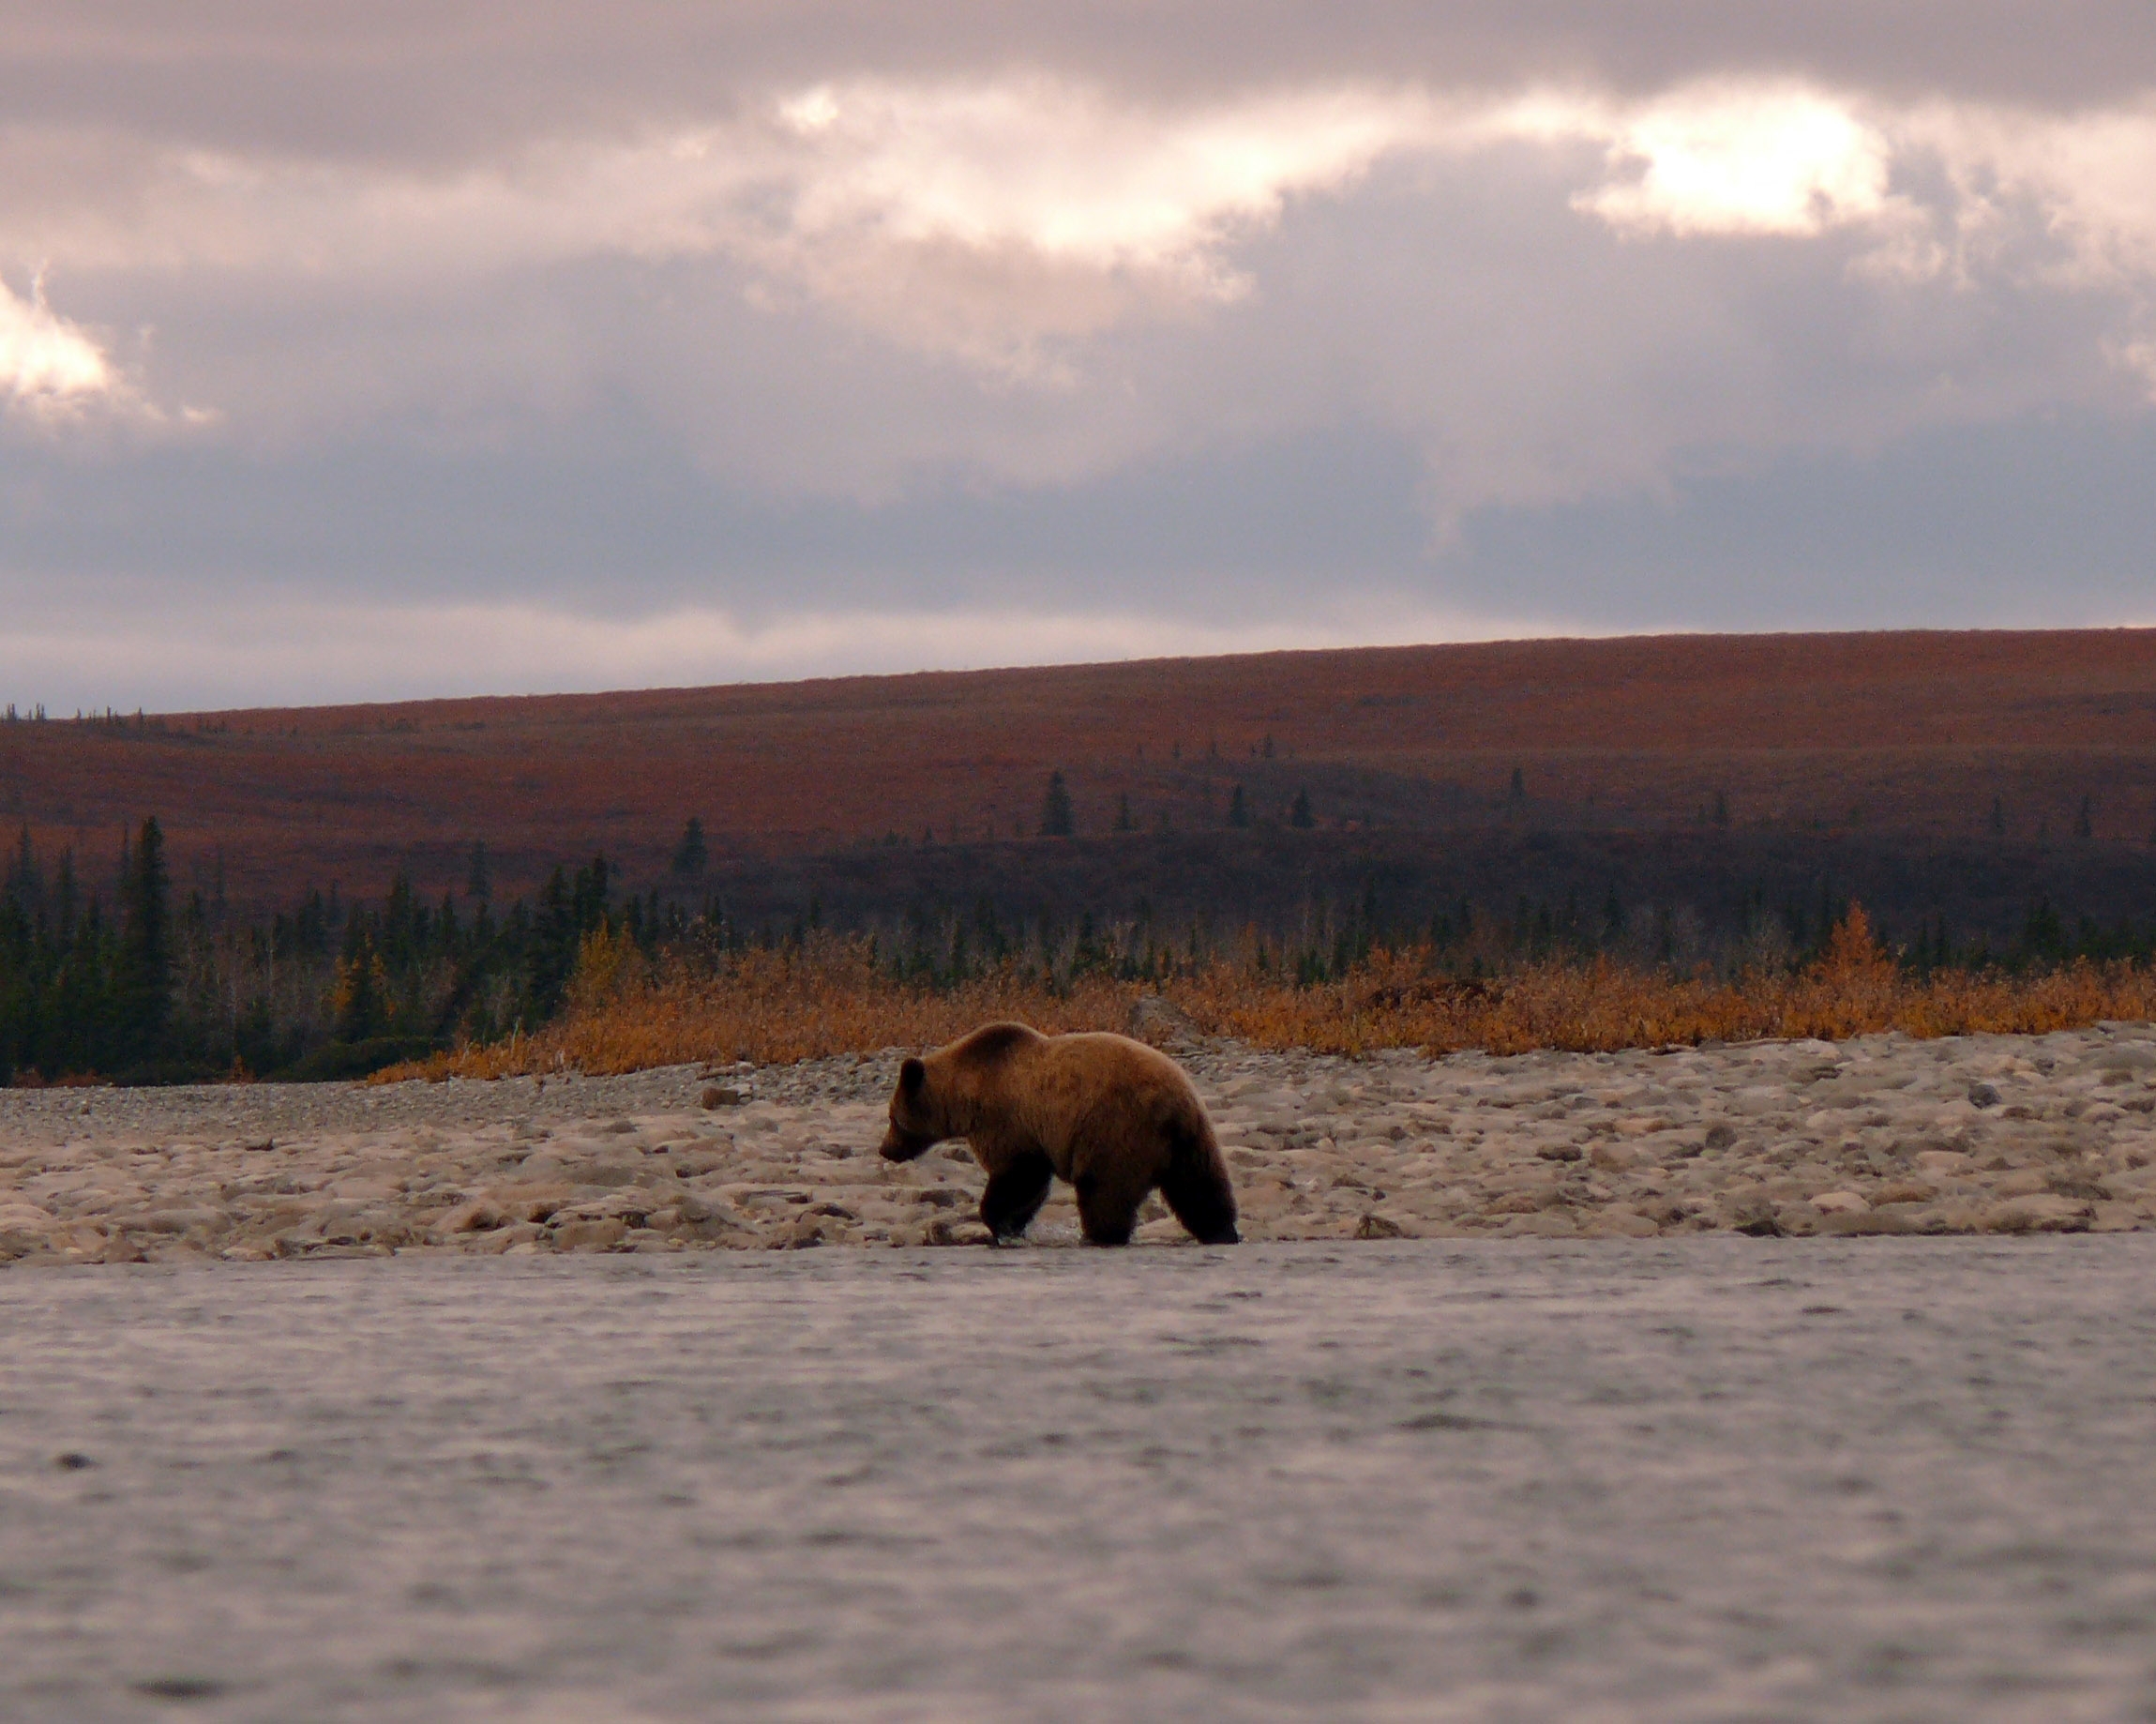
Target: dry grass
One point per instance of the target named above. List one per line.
(767, 1005)
(831, 998)
(1855, 990)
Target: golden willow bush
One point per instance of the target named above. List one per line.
(1854, 989)
(831, 997)
(768, 1004)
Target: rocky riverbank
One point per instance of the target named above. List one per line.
(1976, 1134)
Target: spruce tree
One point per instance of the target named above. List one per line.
(590, 895)
(1056, 821)
(25, 884)
(360, 1006)
(145, 945)
(1238, 808)
(692, 852)
(63, 902)
(1299, 816)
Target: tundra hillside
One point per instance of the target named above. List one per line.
(2004, 741)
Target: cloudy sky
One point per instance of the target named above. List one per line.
(353, 353)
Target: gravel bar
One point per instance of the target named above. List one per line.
(1882, 1134)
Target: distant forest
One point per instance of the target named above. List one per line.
(141, 990)
(103, 971)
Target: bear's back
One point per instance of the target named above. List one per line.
(1051, 1083)
(1114, 1057)
(1096, 1066)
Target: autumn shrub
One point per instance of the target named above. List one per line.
(830, 996)
(825, 996)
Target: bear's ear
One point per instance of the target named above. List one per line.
(912, 1075)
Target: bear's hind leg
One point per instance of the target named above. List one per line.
(1107, 1207)
(1015, 1196)
(1196, 1189)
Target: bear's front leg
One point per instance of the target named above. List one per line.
(1015, 1196)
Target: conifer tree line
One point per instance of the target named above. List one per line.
(107, 971)
(111, 977)
(947, 945)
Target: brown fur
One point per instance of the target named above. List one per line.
(1115, 1117)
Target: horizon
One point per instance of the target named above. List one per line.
(22, 712)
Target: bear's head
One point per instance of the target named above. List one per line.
(918, 1122)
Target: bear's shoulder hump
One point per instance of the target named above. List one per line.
(997, 1041)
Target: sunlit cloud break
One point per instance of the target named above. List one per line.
(1733, 159)
(1070, 175)
(47, 364)
(977, 216)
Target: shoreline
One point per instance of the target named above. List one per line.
(1881, 1134)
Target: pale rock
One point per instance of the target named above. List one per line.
(504, 1239)
(15, 1214)
(1548, 1224)
(1618, 1224)
(946, 1229)
(535, 1203)
(1843, 1223)
(478, 1215)
(591, 1234)
(2046, 1213)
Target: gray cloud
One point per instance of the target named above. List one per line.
(717, 326)
(447, 81)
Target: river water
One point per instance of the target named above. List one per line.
(1699, 1478)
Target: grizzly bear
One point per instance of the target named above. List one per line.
(1112, 1116)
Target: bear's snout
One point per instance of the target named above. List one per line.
(898, 1146)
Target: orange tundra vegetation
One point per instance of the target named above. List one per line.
(830, 996)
